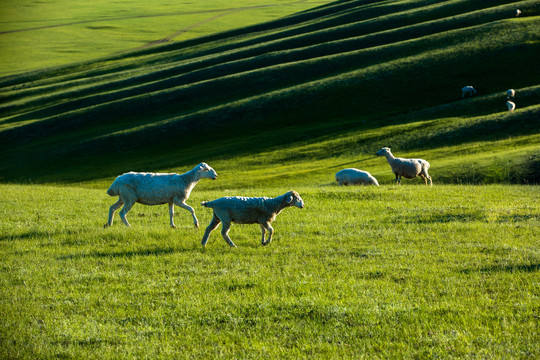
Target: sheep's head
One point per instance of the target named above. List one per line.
(206, 171)
(292, 198)
(383, 151)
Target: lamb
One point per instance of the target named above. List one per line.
(511, 106)
(510, 94)
(248, 210)
(156, 189)
(355, 177)
(408, 168)
(468, 91)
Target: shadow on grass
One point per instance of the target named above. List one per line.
(505, 268)
(124, 254)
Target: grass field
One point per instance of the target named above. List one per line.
(361, 272)
(39, 34)
(449, 271)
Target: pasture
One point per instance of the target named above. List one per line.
(361, 272)
(39, 34)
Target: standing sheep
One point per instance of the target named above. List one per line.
(157, 189)
(408, 168)
(510, 94)
(468, 91)
(511, 106)
(248, 210)
(517, 12)
(355, 177)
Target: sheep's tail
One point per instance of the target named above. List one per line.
(114, 190)
(205, 204)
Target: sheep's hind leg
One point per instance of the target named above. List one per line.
(270, 229)
(183, 205)
(112, 210)
(213, 225)
(225, 233)
(171, 215)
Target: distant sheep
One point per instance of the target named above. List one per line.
(156, 189)
(511, 106)
(510, 94)
(248, 210)
(468, 91)
(518, 12)
(408, 168)
(355, 177)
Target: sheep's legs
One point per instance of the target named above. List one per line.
(267, 226)
(112, 210)
(398, 179)
(213, 225)
(171, 215)
(183, 205)
(225, 233)
(124, 211)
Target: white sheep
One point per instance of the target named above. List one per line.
(355, 177)
(510, 94)
(156, 189)
(248, 210)
(468, 91)
(408, 168)
(511, 106)
(518, 12)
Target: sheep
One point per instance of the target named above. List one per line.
(468, 91)
(408, 168)
(157, 189)
(510, 94)
(518, 12)
(355, 177)
(511, 106)
(248, 210)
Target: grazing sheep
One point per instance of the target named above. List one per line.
(510, 94)
(518, 12)
(511, 106)
(468, 91)
(156, 189)
(244, 210)
(408, 168)
(355, 177)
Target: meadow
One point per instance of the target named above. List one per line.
(40, 34)
(449, 271)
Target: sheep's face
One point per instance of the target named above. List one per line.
(207, 172)
(293, 199)
(383, 151)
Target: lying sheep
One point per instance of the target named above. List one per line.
(244, 210)
(468, 91)
(355, 177)
(408, 168)
(156, 189)
(510, 94)
(511, 106)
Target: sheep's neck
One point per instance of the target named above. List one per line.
(275, 205)
(390, 158)
(191, 178)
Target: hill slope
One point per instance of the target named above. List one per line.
(343, 79)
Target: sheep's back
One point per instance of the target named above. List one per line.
(243, 210)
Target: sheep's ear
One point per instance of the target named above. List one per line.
(289, 199)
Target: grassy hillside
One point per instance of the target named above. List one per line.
(326, 86)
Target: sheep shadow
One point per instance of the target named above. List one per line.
(126, 254)
(504, 268)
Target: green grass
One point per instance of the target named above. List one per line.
(40, 34)
(361, 272)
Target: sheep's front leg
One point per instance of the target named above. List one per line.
(171, 215)
(263, 232)
(270, 229)
(225, 233)
(112, 210)
(183, 205)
